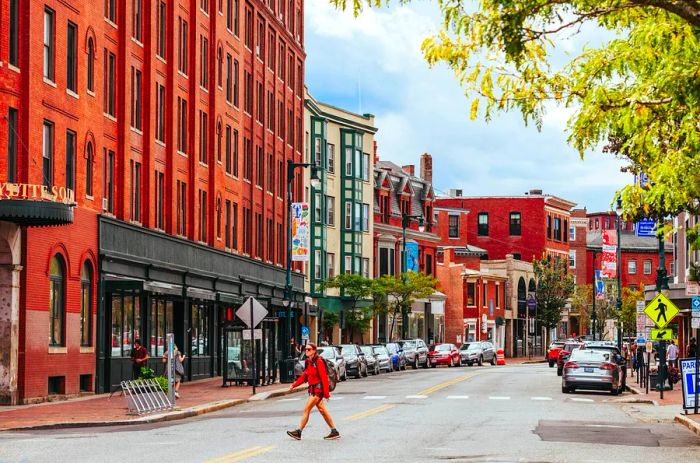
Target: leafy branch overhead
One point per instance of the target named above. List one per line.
(640, 86)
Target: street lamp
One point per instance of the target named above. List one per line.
(286, 373)
(661, 284)
(405, 222)
(619, 272)
(594, 317)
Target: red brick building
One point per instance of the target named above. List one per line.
(528, 226)
(167, 125)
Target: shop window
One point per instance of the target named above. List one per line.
(85, 383)
(161, 323)
(86, 280)
(57, 301)
(57, 385)
(126, 323)
(199, 331)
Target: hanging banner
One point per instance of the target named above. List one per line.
(411, 257)
(609, 254)
(599, 288)
(301, 233)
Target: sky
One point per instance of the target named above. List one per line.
(373, 64)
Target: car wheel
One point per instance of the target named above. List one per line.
(451, 364)
(359, 372)
(404, 366)
(415, 363)
(470, 364)
(433, 366)
(366, 372)
(481, 360)
(614, 391)
(345, 376)
(565, 390)
(427, 363)
(551, 364)
(559, 371)
(493, 360)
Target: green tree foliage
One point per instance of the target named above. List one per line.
(402, 292)
(354, 288)
(330, 319)
(639, 90)
(628, 314)
(554, 288)
(581, 301)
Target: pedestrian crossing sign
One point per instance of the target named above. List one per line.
(665, 334)
(661, 310)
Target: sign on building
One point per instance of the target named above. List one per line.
(645, 227)
(301, 232)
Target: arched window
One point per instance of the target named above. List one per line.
(522, 297)
(57, 301)
(86, 305)
(218, 218)
(91, 65)
(89, 161)
(218, 141)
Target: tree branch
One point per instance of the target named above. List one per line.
(688, 10)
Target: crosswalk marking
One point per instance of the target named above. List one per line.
(579, 399)
(496, 397)
(289, 400)
(337, 398)
(540, 398)
(416, 396)
(457, 397)
(374, 397)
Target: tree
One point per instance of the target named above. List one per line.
(554, 288)
(402, 292)
(637, 90)
(628, 314)
(581, 301)
(330, 319)
(353, 288)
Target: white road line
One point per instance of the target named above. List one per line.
(337, 398)
(457, 397)
(540, 398)
(289, 400)
(496, 397)
(416, 396)
(578, 399)
(374, 397)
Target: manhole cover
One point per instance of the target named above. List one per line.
(596, 433)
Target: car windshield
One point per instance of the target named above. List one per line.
(440, 347)
(471, 346)
(408, 344)
(556, 344)
(571, 347)
(348, 349)
(326, 353)
(381, 350)
(612, 349)
(589, 356)
(366, 349)
(392, 348)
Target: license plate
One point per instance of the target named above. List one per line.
(433, 361)
(588, 370)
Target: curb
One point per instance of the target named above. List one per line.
(164, 417)
(530, 362)
(693, 425)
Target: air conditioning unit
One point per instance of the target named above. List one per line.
(257, 50)
(281, 16)
(104, 204)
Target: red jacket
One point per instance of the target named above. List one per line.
(315, 373)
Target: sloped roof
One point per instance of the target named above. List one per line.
(629, 242)
(400, 181)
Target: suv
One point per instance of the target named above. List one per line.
(553, 352)
(416, 352)
(355, 362)
(477, 352)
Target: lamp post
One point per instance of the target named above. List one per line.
(405, 222)
(619, 272)
(288, 290)
(661, 284)
(594, 317)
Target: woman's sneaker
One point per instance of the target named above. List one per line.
(296, 434)
(333, 435)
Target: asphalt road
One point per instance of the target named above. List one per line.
(477, 414)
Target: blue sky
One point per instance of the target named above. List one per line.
(373, 64)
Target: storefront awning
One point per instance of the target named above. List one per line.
(35, 213)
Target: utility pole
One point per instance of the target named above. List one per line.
(594, 317)
(619, 273)
(661, 284)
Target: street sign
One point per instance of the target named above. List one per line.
(695, 306)
(251, 316)
(690, 382)
(640, 307)
(661, 310)
(304, 333)
(662, 335)
(649, 346)
(692, 288)
(645, 227)
(531, 302)
(257, 333)
(695, 323)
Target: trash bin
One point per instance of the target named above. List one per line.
(287, 370)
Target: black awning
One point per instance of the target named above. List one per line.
(35, 213)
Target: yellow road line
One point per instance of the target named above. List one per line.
(370, 412)
(241, 454)
(441, 386)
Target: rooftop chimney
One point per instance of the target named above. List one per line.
(426, 168)
(454, 193)
(410, 169)
(536, 191)
(448, 255)
(376, 153)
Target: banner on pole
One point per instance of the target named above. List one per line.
(301, 233)
(609, 254)
(599, 288)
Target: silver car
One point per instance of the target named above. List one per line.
(383, 358)
(477, 352)
(331, 353)
(591, 369)
(416, 352)
(372, 360)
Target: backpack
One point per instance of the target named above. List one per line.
(332, 373)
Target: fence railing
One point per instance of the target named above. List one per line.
(145, 396)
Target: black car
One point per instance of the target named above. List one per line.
(355, 361)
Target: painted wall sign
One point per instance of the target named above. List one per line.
(55, 193)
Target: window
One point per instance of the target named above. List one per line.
(204, 5)
(160, 200)
(260, 42)
(70, 159)
(428, 264)
(557, 229)
(365, 167)
(199, 329)
(471, 294)
(89, 175)
(160, 112)
(365, 217)
(572, 259)
(566, 230)
(260, 169)
(202, 215)
(632, 267)
(484, 295)
(181, 208)
(49, 44)
(330, 265)
(203, 134)
(72, 58)
(218, 218)
(317, 264)
(227, 149)
(57, 301)
(108, 195)
(235, 153)
(260, 98)
(597, 224)
(182, 50)
(358, 217)
(270, 173)
(348, 162)
(483, 224)
(234, 226)
(572, 233)
(248, 92)
(259, 242)
(348, 215)
(135, 191)
(271, 50)
(12, 145)
(517, 256)
(204, 63)
(227, 224)
(282, 54)
(181, 125)
(607, 223)
(248, 29)
(109, 82)
(220, 67)
(47, 153)
(14, 33)
(229, 15)
(111, 10)
(365, 267)
(330, 211)
(348, 264)
(247, 159)
(229, 78)
(135, 98)
(647, 267)
(498, 295)
(515, 224)
(136, 21)
(235, 82)
(91, 66)
(236, 20)
(160, 29)
(453, 226)
(86, 305)
(330, 151)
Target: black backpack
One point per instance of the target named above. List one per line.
(332, 373)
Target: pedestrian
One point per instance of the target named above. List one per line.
(692, 348)
(672, 353)
(139, 357)
(179, 367)
(316, 375)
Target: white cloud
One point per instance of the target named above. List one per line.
(419, 109)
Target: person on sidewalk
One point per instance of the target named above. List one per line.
(316, 375)
(672, 354)
(178, 359)
(691, 349)
(139, 357)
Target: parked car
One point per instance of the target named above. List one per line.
(372, 359)
(591, 369)
(416, 352)
(608, 346)
(444, 354)
(331, 353)
(398, 357)
(355, 361)
(383, 358)
(553, 352)
(564, 354)
(477, 352)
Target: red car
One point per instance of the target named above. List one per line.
(553, 352)
(444, 354)
(564, 355)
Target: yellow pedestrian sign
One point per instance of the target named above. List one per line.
(665, 334)
(661, 310)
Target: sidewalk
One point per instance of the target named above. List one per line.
(525, 360)
(197, 397)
